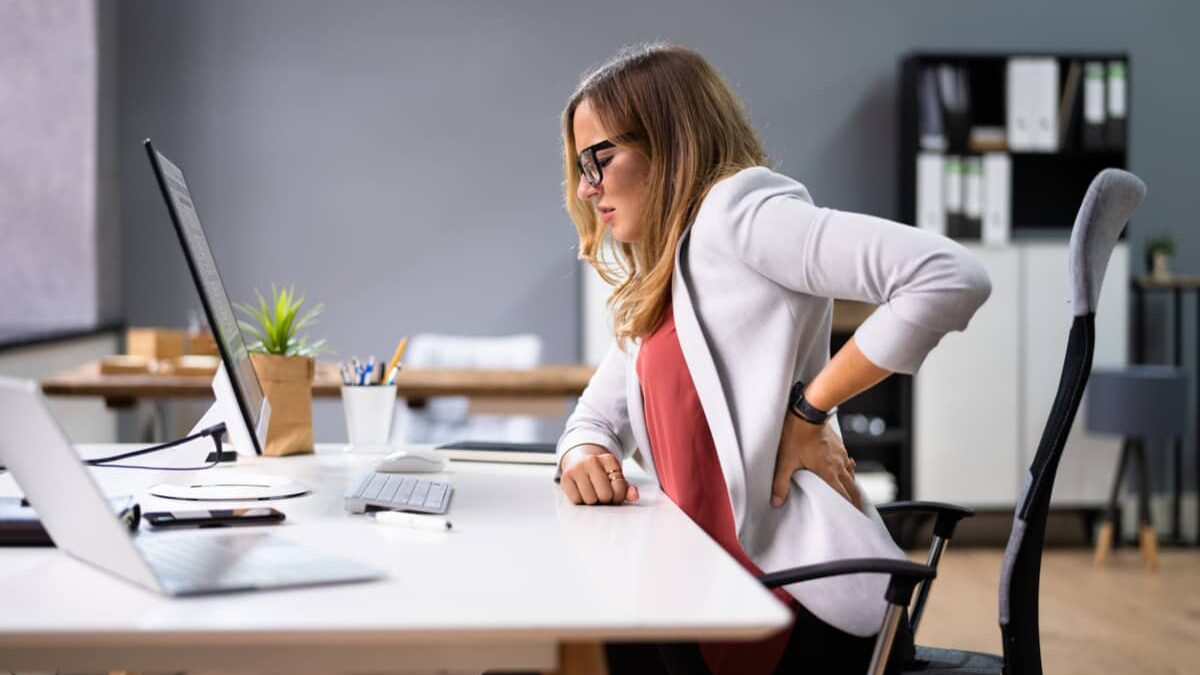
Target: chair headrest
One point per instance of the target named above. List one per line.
(1110, 201)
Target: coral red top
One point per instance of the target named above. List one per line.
(685, 457)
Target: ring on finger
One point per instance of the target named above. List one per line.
(615, 475)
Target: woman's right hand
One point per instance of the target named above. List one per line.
(592, 475)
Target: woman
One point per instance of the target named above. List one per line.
(720, 376)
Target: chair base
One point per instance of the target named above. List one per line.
(934, 661)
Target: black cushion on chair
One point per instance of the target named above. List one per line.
(931, 661)
(1147, 401)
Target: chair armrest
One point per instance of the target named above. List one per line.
(904, 575)
(948, 515)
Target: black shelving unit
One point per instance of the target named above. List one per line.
(1044, 189)
(1045, 186)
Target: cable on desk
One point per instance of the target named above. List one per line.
(216, 432)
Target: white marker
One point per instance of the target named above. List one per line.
(415, 521)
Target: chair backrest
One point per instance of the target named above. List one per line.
(1107, 206)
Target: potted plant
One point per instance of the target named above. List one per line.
(1158, 250)
(285, 364)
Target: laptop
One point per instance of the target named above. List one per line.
(75, 513)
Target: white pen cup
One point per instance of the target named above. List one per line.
(369, 410)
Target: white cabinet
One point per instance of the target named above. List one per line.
(1089, 461)
(966, 398)
(982, 396)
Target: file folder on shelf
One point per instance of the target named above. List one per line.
(972, 221)
(1117, 100)
(1032, 90)
(952, 193)
(929, 111)
(931, 206)
(1068, 108)
(1044, 74)
(1095, 110)
(954, 93)
(997, 198)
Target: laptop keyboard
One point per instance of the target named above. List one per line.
(400, 492)
(227, 562)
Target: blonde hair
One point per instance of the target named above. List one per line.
(668, 104)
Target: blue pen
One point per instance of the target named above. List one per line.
(362, 380)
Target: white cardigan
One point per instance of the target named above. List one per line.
(753, 282)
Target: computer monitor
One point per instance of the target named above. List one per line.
(240, 403)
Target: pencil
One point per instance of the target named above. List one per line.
(399, 353)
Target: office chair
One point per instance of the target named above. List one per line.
(1110, 200)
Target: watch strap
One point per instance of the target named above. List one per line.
(800, 407)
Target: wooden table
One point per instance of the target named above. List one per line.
(415, 385)
(544, 382)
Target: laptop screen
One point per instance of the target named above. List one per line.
(212, 291)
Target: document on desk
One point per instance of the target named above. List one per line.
(501, 452)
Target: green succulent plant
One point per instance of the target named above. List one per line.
(1164, 244)
(277, 324)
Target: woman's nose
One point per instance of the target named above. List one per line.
(586, 190)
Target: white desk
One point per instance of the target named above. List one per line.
(522, 572)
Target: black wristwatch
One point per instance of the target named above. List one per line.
(800, 407)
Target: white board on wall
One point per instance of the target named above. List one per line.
(50, 144)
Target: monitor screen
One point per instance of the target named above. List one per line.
(212, 292)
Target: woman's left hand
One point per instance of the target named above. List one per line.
(816, 448)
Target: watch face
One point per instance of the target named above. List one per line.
(796, 394)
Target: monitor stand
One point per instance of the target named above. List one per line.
(230, 484)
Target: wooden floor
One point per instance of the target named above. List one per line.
(1094, 620)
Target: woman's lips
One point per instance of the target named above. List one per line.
(606, 214)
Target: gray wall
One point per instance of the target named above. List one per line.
(59, 247)
(400, 160)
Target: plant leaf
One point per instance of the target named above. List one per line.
(277, 322)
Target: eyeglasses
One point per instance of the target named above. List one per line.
(592, 168)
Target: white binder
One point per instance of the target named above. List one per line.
(997, 198)
(1019, 109)
(1045, 102)
(1117, 103)
(1095, 112)
(1031, 88)
(931, 208)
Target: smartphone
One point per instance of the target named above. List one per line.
(259, 515)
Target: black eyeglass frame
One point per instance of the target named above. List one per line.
(590, 153)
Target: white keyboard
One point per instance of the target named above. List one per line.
(398, 492)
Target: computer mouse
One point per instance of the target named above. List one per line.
(413, 461)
